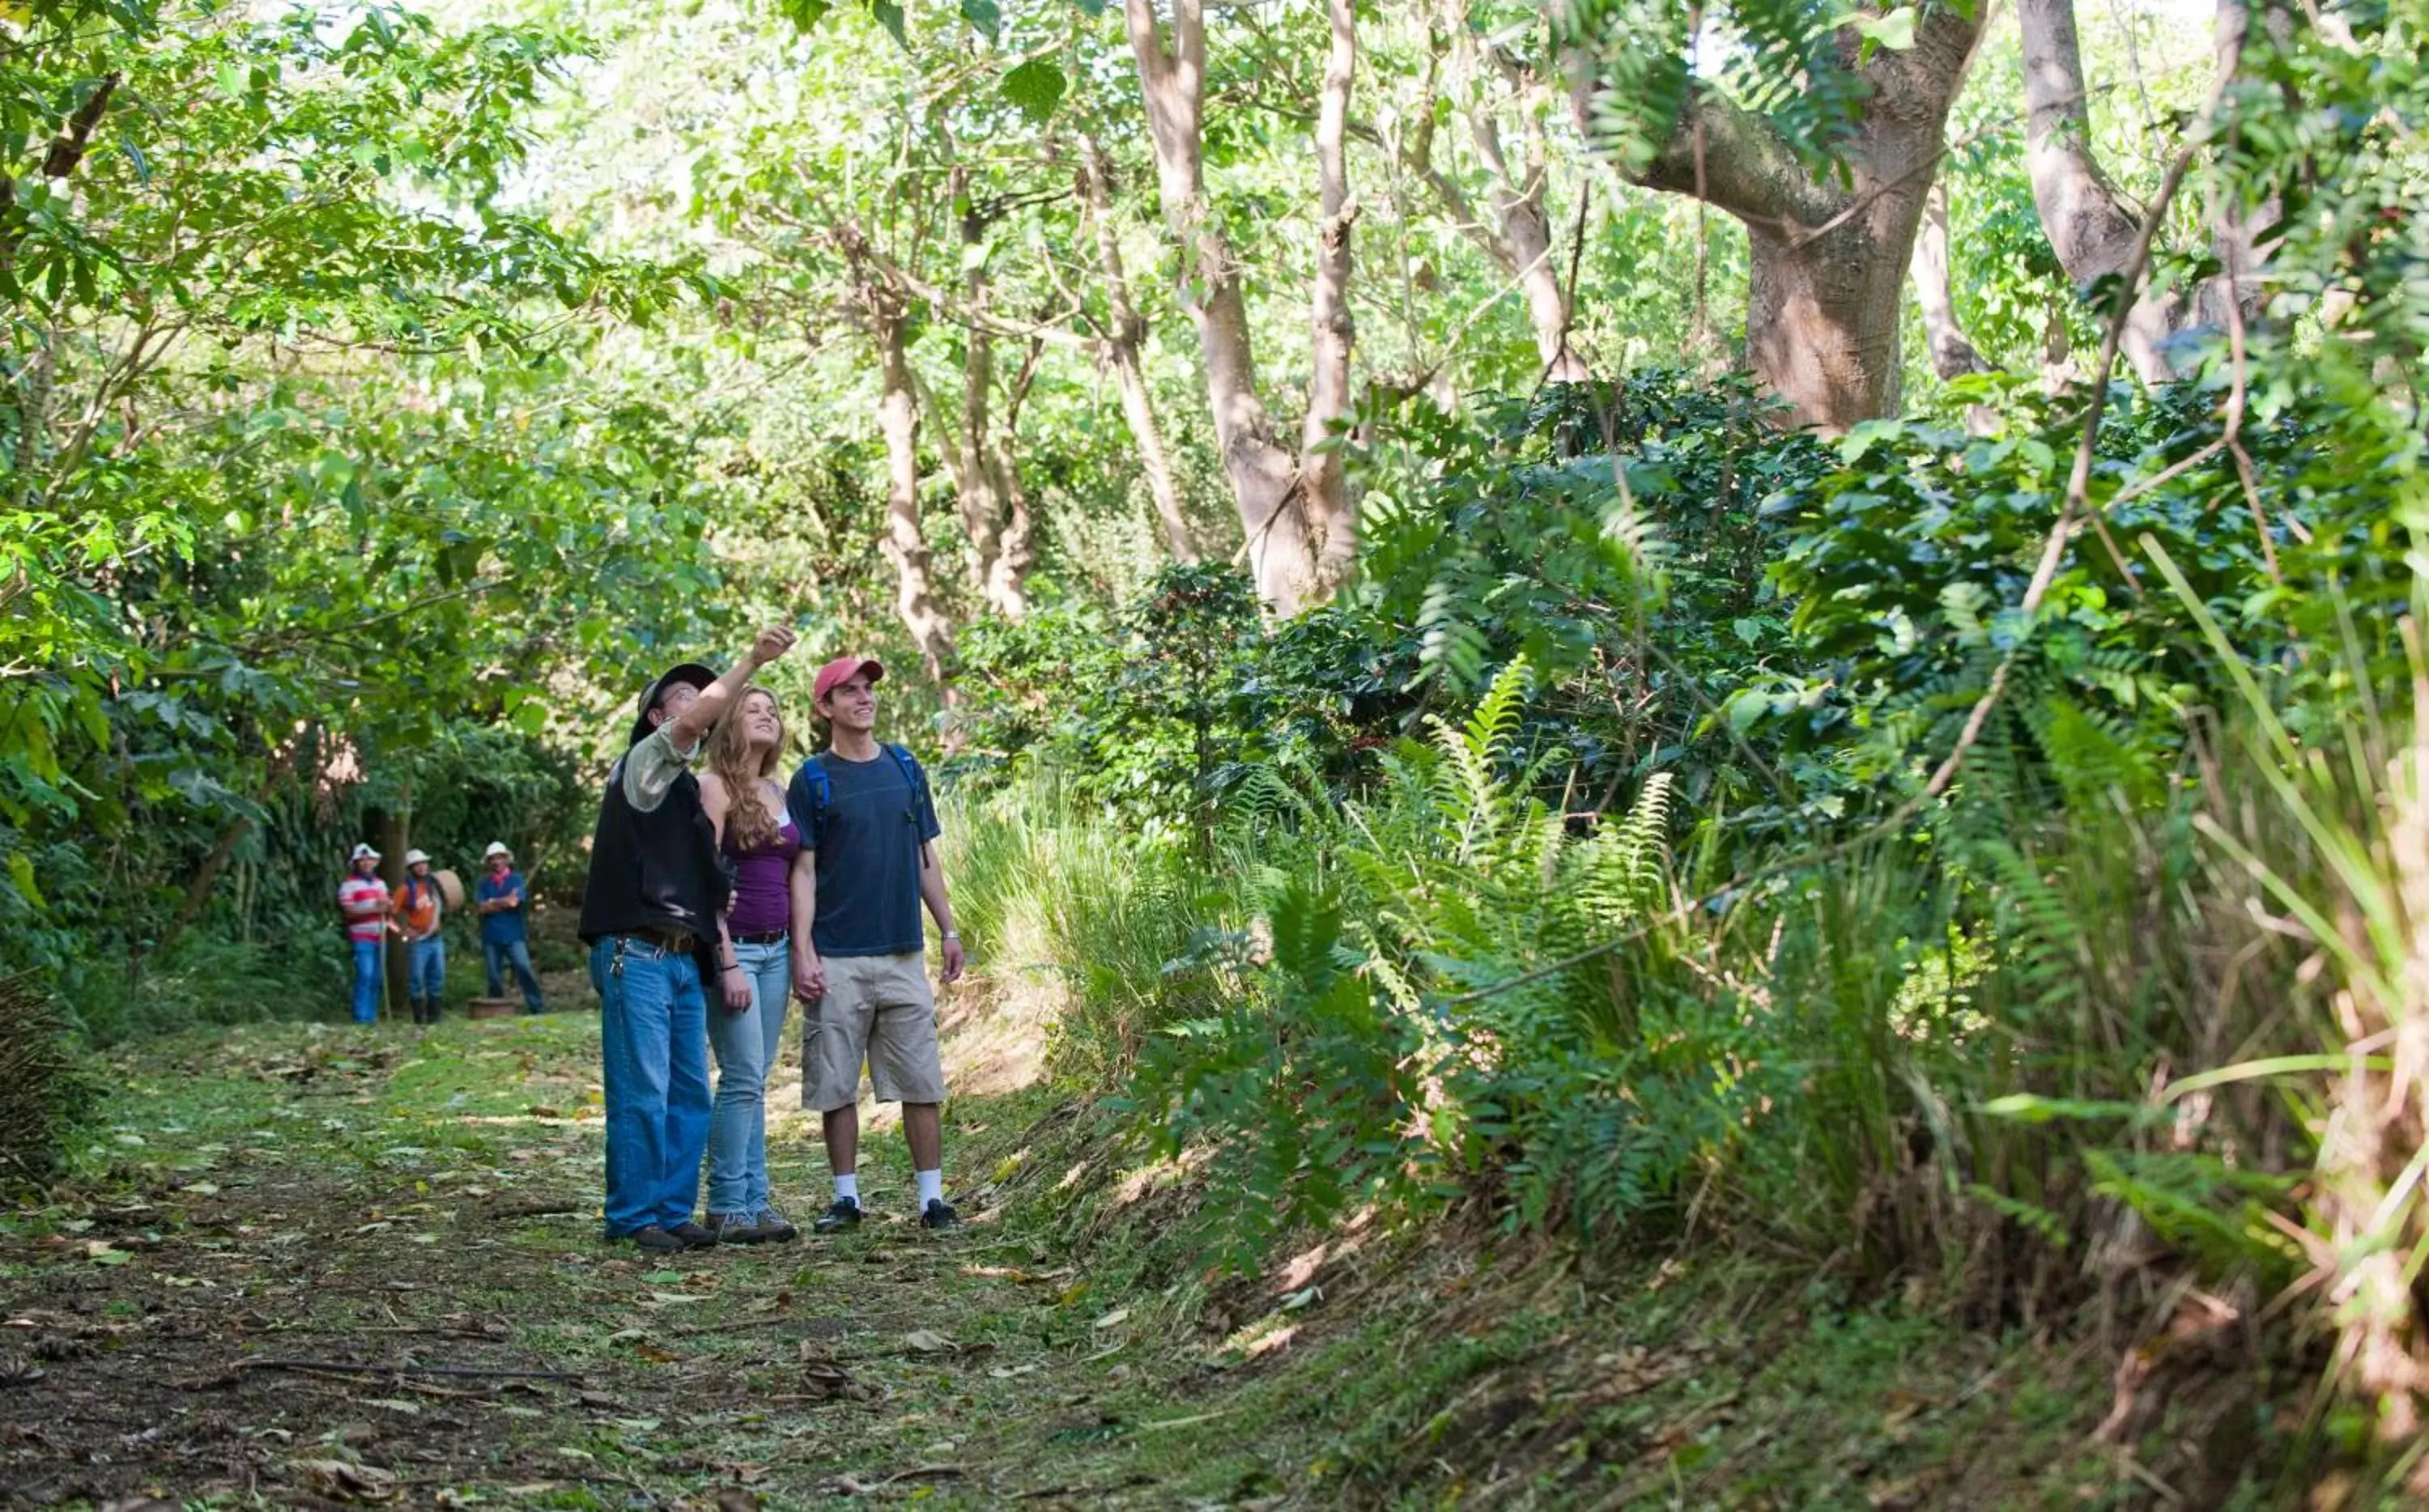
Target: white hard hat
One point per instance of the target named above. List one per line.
(415, 858)
(497, 848)
(361, 851)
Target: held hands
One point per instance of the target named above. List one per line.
(773, 642)
(809, 976)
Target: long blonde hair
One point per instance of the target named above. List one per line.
(748, 825)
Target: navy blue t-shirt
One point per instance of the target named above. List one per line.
(867, 849)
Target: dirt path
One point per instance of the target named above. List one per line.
(324, 1266)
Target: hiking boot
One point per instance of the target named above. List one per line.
(776, 1226)
(939, 1215)
(737, 1229)
(844, 1214)
(691, 1236)
(653, 1238)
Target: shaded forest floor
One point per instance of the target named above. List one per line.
(312, 1265)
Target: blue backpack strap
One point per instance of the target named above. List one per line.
(807, 798)
(911, 772)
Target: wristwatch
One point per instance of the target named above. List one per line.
(952, 934)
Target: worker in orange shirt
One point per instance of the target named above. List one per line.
(419, 910)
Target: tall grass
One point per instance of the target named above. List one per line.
(1066, 899)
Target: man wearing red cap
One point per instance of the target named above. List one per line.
(864, 811)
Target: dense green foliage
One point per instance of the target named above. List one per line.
(1981, 850)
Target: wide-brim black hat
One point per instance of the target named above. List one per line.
(691, 673)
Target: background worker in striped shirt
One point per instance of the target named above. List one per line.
(363, 898)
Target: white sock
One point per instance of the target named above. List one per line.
(847, 1188)
(932, 1188)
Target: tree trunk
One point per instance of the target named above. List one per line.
(1125, 335)
(2236, 228)
(1829, 255)
(1519, 237)
(906, 546)
(974, 475)
(1953, 353)
(1007, 584)
(2087, 220)
(1331, 332)
(1265, 479)
(1518, 210)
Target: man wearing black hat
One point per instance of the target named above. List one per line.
(648, 915)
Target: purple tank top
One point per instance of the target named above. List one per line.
(762, 896)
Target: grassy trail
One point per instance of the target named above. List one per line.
(303, 1265)
(390, 1214)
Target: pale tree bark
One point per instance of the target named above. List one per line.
(1519, 239)
(2088, 224)
(1266, 484)
(897, 420)
(1332, 331)
(2237, 229)
(1125, 335)
(1007, 584)
(976, 476)
(1829, 255)
(1952, 352)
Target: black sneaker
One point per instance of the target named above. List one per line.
(737, 1229)
(653, 1238)
(778, 1229)
(691, 1236)
(939, 1214)
(844, 1214)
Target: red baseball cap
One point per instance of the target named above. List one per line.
(841, 670)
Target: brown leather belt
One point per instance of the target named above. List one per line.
(673, 941)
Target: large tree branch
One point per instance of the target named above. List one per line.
(1747, 169)
(1953, 353)
(2086, 219)
(1126, 330)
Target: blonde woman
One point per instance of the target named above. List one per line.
(746, 1019)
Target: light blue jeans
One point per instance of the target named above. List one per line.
(654, 1050)
(746, 1046)
(368, 965)
(427, 978)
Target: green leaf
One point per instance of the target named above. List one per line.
(804, 14)
(1894, 31)
(889, 15)
(1036, 88)
(984, 14)
(2029, 1107)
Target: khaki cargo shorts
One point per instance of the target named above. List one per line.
(877, 1009)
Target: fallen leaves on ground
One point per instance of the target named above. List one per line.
(345, 1480)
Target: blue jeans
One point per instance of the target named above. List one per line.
(426, 976)
(496, 955)
(747, 1044)
(367, 979)
(654, 1049)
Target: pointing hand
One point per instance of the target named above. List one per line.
(773, 642)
